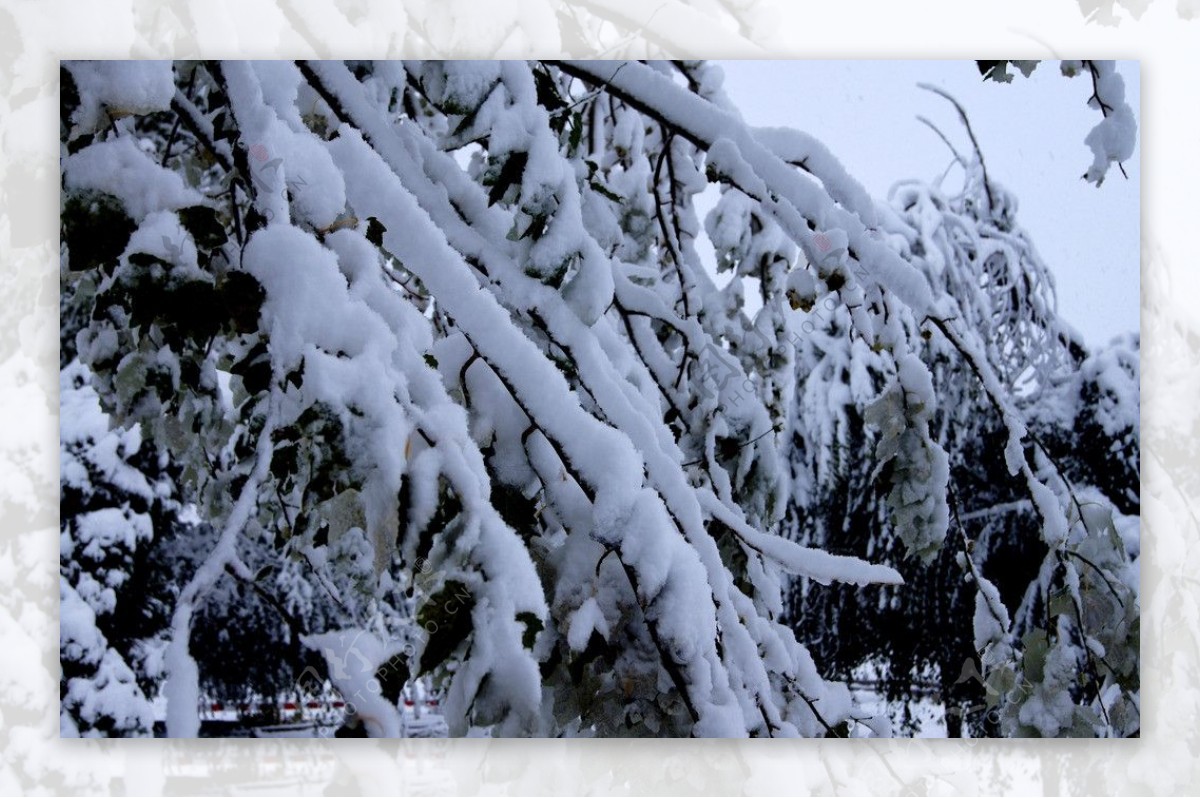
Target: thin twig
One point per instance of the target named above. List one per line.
(962, 114)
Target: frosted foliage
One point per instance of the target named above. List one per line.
(1112, 139)
(440, 393)
(998, 449)
(101, 483)
(991, 620)
(113, 89)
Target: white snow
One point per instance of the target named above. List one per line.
(119, 167)
(286, 161)
(354, 656)
(562, 343)
(587, 619)
(1112, 139)
(114, 89)
(111, 528)
(991, 621)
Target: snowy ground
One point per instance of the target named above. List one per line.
(303, 719)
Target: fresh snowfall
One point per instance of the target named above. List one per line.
(553, 399)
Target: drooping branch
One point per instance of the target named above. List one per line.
(962, 115)
(183, 680)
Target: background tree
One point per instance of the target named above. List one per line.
(925, 638)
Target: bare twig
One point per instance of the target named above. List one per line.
(962, 114)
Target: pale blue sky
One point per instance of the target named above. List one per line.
(1031, 132)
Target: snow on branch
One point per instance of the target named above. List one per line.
(431, 352)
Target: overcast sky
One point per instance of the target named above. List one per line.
(1031, 132)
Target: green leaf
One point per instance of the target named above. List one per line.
(254, 220)
(241, 297)
(576, 132)
(130, 378)
(431, 361)
(254, 369)
(321, 536)
(597, 648)
(296, 375)
(1036, 646)
(547, 91)
(145, 260)
(1060, 603)
(448, 509)
(446, 619)
(999, 682)
(510, 174)
(392, 676)
(284, 461)
(188, 309)
(68, 96)
(466, 122)
(375, 231)
(991, 69)
(75, 145)
(204, 225)
(536, 228)
(533, 625)
(604, 191)
(95, 228)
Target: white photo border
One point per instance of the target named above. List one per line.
(1158, 33)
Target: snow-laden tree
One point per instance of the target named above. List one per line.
(993, 585)
(106, 525)
(434, 354)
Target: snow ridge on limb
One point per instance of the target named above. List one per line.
(364, 352)
(820, 566)
(1006, 370)
(376, 192)
(761, 174)
(182, 685)
(802, 150)
(733, 158)
(605, 462)
(801, 207)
